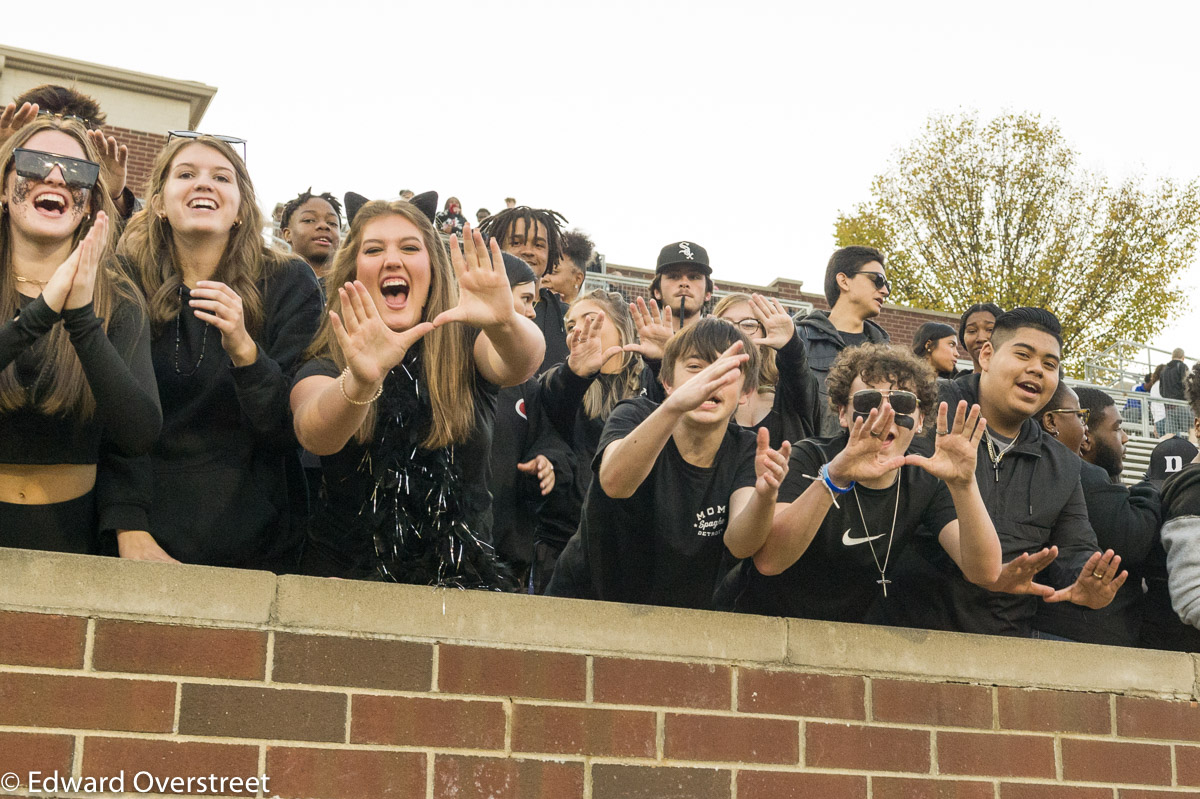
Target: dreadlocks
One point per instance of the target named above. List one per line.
(291, 206)
(500, 226)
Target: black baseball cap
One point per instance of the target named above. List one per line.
(1170, 456)
(683, 253)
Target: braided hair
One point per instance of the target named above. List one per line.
(500, 227)
(291, 206)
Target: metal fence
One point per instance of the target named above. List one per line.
(633, 287)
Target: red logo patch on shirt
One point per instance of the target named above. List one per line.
(520, 409)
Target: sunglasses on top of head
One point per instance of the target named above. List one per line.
(37, 165)
(195, 134)
(904, 403)
(878, 279)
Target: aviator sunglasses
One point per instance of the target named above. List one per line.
(37, 165)
(904, 403)
(195, 134)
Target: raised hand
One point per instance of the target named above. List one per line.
(653, 328)
(220, 306)
(541, 468)
(770, 465)
(862, 458)
(957, 448)
(484, 296)
(83, 284)
(588, 354)
(114, 159)
(370, 347)
(13, 119)
(775, 321)
(1016, 577)
(724, 371)
(1097, 583)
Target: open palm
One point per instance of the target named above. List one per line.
(484, 296)
(957, 448)
(370, 347)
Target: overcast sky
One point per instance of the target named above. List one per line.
(745, 127)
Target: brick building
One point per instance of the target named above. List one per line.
(900, 322)
(141, 108)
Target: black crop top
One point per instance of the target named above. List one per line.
(117, 366)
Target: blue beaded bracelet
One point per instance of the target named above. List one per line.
(830, 484)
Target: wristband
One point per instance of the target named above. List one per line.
(831, 485)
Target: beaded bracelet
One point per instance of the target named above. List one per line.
(342, 385)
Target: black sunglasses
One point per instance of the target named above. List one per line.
(195, 134)
(878, 279)
(37, 165)
(904, 403)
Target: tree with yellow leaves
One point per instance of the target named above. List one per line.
(1001, 211)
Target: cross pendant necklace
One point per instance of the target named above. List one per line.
(885, 582)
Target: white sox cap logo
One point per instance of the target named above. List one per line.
(685, 250)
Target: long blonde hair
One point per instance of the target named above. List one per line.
(447, 365)
(768, 370)
(607, 390)
(149, 243)
(61, 386)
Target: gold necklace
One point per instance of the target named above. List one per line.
(39, 283)
(996, 457)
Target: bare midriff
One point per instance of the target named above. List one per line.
(45, 484)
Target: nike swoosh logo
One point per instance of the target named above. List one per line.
(849, 542)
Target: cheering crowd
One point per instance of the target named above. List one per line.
(410, 398)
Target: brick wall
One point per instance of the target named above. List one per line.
(900, 322)
(341, 689)
(143, 149)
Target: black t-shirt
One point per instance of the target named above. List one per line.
(836, 579)
(853, 339)
(665, 544)
(341, 530)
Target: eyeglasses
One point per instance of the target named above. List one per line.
(878, 279)
(37, 165)
(195, 134)
(1084, 414)
(749, 326)
(867, 400)
(87, 123)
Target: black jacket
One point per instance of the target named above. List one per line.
(1035, 500)
(1171, 381)
(1163, 628)
(824, 343)
(1126, 521)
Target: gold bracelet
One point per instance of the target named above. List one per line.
(342, 385)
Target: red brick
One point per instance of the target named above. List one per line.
(410, 721)
(1054, 711)
(40, 639)
(583, 731)
(856, 746)
(109, 757)
(791, 693)
(1147, 793)
(189, 651)
(799, 785)
(356, 662)
(611, 781)
(457, 777)
(904, 788)
(511, 672)
(86, 703)
(731, 739)
(995, 755)
(1158, 718)
(344, 773)
(1013, 790)
(24, 752)
(662, 683)
(936, 704)
(1187, 765)
(1116, 762)
(267, 713)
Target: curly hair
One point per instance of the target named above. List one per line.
(500, 227)
(1191, 388)
(293, 205)
(579, 248)
(881, 363)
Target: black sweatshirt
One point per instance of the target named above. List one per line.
(217, 475)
